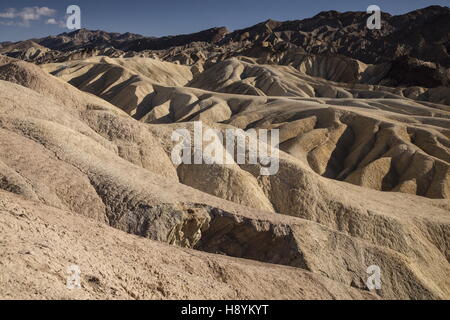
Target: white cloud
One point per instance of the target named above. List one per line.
(8, 13)
(51, 21)
(27, 14)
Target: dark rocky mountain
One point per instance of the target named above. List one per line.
(84, 38)
(213, 35)
(406, 71)
(4, 44)
(422, 34)
(412, 49)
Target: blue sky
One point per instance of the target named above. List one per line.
(24, 19)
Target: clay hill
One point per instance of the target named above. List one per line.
(86, 175)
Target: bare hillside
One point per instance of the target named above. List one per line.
(93, 161)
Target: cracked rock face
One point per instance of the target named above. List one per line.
(87, 177)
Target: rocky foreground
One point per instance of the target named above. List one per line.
(86, 175)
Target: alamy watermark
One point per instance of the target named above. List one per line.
(374, 21)
(374, 280)
(229, 146)
(74, 277)
(73, 17)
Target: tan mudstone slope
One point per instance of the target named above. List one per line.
(372, 136)
(363, 180)
(43, 241)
